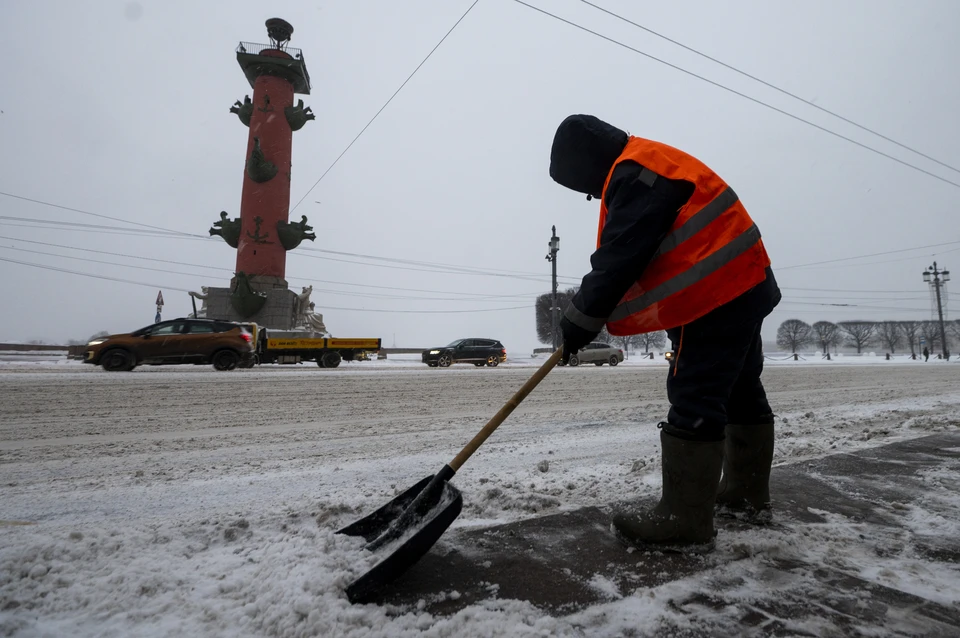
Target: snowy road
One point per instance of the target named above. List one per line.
(189, 501)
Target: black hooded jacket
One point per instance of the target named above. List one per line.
(639, 217)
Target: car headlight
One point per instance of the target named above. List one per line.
(434, 352)
(96, 342)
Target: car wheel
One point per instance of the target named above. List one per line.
(574, 360)
(226, 360)
(493, 361)
(117, 360)
(444, 361)
(331, 359)
(613, 360)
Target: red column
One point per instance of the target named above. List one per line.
(259, 251)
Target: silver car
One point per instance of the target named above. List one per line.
(597, 353)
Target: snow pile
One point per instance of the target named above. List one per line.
(240, 577)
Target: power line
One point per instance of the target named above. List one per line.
(886, 252)
(429, 270)
(409, 77)
(86, 274)
(129, 232)
(476, 297)
(427, 266)
(99, 261)
(112, 254)
(772, 86)
(85, 212)
(857, 298)
(57, 222)
(422, 263)
(851, 305)
(743, 95)
(140, 283)
(839, 290)
(428, 312)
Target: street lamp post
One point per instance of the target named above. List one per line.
(936, 278)
(552, 258)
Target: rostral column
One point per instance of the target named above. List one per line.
(263, 234)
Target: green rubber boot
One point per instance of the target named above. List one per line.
(683, 519)
(744, 490)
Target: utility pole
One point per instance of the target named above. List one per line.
(552, 258)
(939, 278)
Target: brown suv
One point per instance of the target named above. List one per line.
(199, 341)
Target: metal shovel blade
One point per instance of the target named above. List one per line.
(410, 543)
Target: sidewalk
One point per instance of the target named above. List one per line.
(861, 542)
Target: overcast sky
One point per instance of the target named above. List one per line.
(121, 109)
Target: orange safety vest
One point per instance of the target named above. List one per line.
(711, 255)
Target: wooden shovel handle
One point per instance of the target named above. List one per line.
(505, 411)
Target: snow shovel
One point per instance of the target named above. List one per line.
(406, 528)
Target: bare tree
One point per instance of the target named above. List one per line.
(910, 330)
(605, 336)
(794, 334)
(827, 334)
(954, 331)
(625, 342)
(930, 333)
(652, 340)
(542, 313)
(858, 333)
(890, 334)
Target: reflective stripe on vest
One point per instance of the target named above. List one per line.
(698, 222)
(701, 269)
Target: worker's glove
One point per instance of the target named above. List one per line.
(574, 338)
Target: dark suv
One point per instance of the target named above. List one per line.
(479, 352)
(224, 344)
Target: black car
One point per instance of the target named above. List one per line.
(479, 352)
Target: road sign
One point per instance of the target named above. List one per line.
(159, 298)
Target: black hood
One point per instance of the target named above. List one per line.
(584, 150)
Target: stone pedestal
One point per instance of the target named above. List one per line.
(277, 313)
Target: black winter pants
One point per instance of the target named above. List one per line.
(714, 379)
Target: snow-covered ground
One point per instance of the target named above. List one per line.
(183, 501)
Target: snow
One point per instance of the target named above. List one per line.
(183, 501)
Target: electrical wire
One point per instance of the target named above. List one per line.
(323, 281)
(851, 305)
(385, 104)
(140, 283)
(831, 290)
(424, 266)
(493, 298)
(739, 93)
(772, 86)
(886, 252)
(91, 275)
(57, 222)
(85, 212)
(428, 312)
